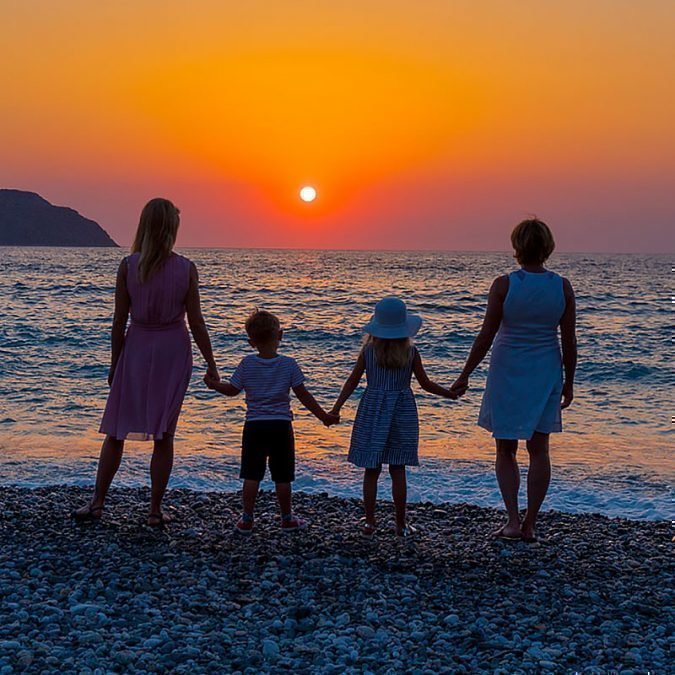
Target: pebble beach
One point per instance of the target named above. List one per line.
(594, 596)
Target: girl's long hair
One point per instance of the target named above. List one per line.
(390, 353)
(155, 236)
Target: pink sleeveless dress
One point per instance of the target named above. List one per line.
(155, 365)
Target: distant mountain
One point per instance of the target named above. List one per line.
(26, 219)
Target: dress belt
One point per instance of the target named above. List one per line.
(141, 325)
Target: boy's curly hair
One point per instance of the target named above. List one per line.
(262, 326)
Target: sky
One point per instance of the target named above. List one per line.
(422, 125)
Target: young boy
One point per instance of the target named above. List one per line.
(267, 378)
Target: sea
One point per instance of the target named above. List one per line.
(614, 456)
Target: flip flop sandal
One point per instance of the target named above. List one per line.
(536, 539)
(88, 515)
(507, 537)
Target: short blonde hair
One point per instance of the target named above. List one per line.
(262, 326)
(532, 241)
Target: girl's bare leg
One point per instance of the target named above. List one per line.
(399, 493)
(160, 471)
(370, 477)
(108, 463)
(508, 477)
(538, 479)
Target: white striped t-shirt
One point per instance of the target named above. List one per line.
(267, 384)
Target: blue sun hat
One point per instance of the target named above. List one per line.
(391, 320)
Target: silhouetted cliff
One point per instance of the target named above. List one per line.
(26, 219)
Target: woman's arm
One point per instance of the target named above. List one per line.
(568, 339)
(350, 384)
(306, 398)
(429, 385)
(484, 339)
(120, 317)
(197, 324)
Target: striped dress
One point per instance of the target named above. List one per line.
(386, 429)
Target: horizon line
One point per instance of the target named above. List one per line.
(354, 250)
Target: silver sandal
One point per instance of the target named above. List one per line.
(367, 529)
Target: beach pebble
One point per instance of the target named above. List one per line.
(116, 596)
(365, 632)
(270, 649)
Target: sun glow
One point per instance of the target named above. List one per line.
(307, 193)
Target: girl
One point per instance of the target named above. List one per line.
(386, 428)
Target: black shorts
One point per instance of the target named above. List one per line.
(268, 438)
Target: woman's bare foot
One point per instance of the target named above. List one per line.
(528, 533)
(510, 532)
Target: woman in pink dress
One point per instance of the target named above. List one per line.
(151, 364)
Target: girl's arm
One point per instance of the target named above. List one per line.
(313, 406)
(350, 384)
(484, 339)
(120, 317)
(429, 385)
(568, 339)
(197, 324)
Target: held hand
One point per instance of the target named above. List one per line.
(212, 373)
(567, 395)
(210, 381)
(331, 418)
(454, 393)
(460, 385)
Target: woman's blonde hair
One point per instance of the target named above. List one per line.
(390, 353)
(532, 241)
(155, 236)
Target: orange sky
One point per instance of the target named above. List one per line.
(421, 124)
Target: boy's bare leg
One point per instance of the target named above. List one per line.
(249, 495)
(370, 477)
(284, 497)
(399, 493)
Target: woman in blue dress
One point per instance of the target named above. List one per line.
(525, 390)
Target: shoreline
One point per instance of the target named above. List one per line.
(117, 595)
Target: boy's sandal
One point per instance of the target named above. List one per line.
(244, 526)
(92, 513)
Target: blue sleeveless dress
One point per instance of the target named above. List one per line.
(524, 382)
(386, 428)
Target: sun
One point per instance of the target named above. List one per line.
(307, 193)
